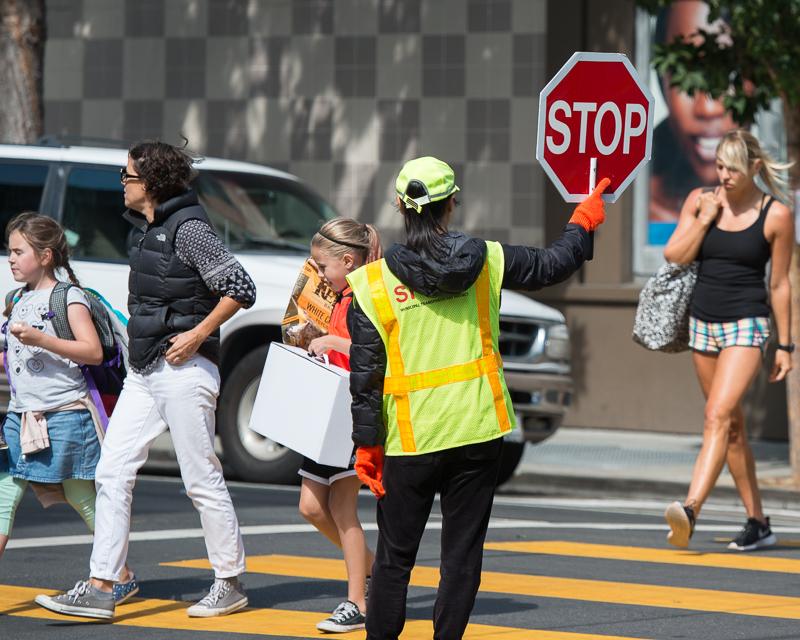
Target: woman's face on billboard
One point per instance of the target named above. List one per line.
(697, 121)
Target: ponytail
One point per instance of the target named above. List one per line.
(770, 173)
(375, 249)
(71, 274)
(739, 149)
(425, 228)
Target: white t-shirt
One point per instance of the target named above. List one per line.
(42, 380)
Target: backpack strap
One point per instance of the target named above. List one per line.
(12, 297)
(58, 310)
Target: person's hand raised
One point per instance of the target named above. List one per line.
(591, 213)
(708, 207)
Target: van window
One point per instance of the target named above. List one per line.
(92, 218)
(21, 186)
(251, 211)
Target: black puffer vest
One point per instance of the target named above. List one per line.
(165, 296)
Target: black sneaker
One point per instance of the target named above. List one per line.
(346, 617)
(754, 535)
(681, 524)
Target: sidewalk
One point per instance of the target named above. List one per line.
(593, 460)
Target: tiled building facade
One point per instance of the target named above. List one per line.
(339, 93)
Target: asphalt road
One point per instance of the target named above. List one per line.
(555, 569)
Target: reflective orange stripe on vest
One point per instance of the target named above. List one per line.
(380, 298)
(399, 385)
(482, 295)
(439, 377)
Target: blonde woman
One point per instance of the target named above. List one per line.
(733, 231)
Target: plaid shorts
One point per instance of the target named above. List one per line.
(713, 337)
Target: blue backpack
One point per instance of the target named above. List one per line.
(105, 379)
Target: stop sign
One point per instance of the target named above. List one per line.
(595, 111)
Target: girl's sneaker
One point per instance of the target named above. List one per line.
(124, 591)
(754, 535)
(346, 617)
(681, 524)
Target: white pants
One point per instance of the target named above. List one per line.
(182, 399)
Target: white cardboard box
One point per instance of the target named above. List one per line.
(304, 404)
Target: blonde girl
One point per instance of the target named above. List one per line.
(329, 495)
(52, 438)
(733, 231)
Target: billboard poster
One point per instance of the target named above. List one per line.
(687, 131)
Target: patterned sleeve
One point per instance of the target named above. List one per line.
(199, 247)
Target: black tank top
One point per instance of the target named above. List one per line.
(730, 279)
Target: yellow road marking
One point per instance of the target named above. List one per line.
(625, 593)
(168, 614)
(758, 562)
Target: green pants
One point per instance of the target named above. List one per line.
(80, 495)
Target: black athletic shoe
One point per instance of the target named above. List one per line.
(346, 617)
(681, 524)
(754, 535)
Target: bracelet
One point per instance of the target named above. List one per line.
(786, 347)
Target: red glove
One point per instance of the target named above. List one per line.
(591, 213)
(369, 467)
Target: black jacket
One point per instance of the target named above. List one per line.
(526, 269)
(165, 297)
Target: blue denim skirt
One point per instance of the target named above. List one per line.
(73, 453)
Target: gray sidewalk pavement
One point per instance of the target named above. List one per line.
(593, 460)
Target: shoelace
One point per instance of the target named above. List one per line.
(753, 526)
(218, 591)
(344, 611)
(81, 588)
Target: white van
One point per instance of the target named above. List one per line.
(267, 218)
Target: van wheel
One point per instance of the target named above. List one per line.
(509, 460)
(251, 456)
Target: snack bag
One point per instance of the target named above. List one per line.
(309, 311)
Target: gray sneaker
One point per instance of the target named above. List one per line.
(224, 597)
(82, 600)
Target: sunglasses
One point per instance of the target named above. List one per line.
(124, 176)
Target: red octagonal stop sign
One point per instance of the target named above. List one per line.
(595, 110)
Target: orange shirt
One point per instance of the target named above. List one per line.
(338, 327)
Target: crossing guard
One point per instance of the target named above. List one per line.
(430, 403)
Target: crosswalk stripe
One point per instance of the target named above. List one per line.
(783, 543)
(602, 591)
(169, 614)
(495, 523)
(758, 562)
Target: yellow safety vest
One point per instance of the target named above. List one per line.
(444, 384)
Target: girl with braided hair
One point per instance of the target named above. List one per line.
(52, 435)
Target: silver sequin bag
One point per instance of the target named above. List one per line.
(662, 316)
